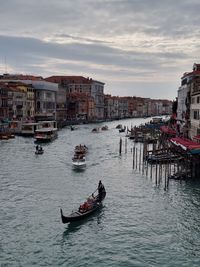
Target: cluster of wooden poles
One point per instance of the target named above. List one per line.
(159, 170)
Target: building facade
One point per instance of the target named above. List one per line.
(195, 102)
(44, 94)
(86, 87)
(3, 102)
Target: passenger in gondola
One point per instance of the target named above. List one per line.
(91, 199)
(85, 207)
(37, 148)
(101, 189)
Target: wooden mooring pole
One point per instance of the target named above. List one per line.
(134, 157)
(136, 160)
(125, 145)
(120, 146)
(140, 157)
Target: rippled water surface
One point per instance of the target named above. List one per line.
(140, 224)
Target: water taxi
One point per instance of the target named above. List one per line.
(47, 131)
(29, 128)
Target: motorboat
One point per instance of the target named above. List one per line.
(78, 162)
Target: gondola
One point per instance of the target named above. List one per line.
(79, 215)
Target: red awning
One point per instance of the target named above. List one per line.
(186, 144)
(167, 130)
(197, 137)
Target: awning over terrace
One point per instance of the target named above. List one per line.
(168, 130)
(197, 137)
(186, 144)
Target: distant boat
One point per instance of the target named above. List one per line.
(73, 128)
(5, 132)
(95, 130)
(104, 128)
(119, 126)
(39, 152)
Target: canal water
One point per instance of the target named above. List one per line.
(140, 224)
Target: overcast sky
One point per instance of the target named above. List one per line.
(136, 47)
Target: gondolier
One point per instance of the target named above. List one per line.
(101, 190)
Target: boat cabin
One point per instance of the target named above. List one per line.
(29, 128)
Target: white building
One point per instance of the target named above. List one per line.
(97, 92)
(195, 102)
(182, 95)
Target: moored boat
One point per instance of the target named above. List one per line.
(104, 128)
(47, 131)
(46, 134)
(119, 126)
(29, 128)
(5, 132)
(92, 204)
(122, 130)
(95, 130)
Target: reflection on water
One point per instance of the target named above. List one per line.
(78, 169)
(96, 217)
(73, 227)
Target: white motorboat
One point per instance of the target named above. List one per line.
(78, 163)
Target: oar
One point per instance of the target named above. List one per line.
(93, 192)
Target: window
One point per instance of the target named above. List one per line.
(48, 95)
(193, 100)
(195, 114)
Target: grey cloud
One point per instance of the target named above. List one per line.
(77, 38)
(101, 17)
(99, 37)
(94, 53)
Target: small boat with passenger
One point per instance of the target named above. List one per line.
(39, 150)
(92, 204)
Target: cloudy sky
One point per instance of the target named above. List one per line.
(136, 47)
